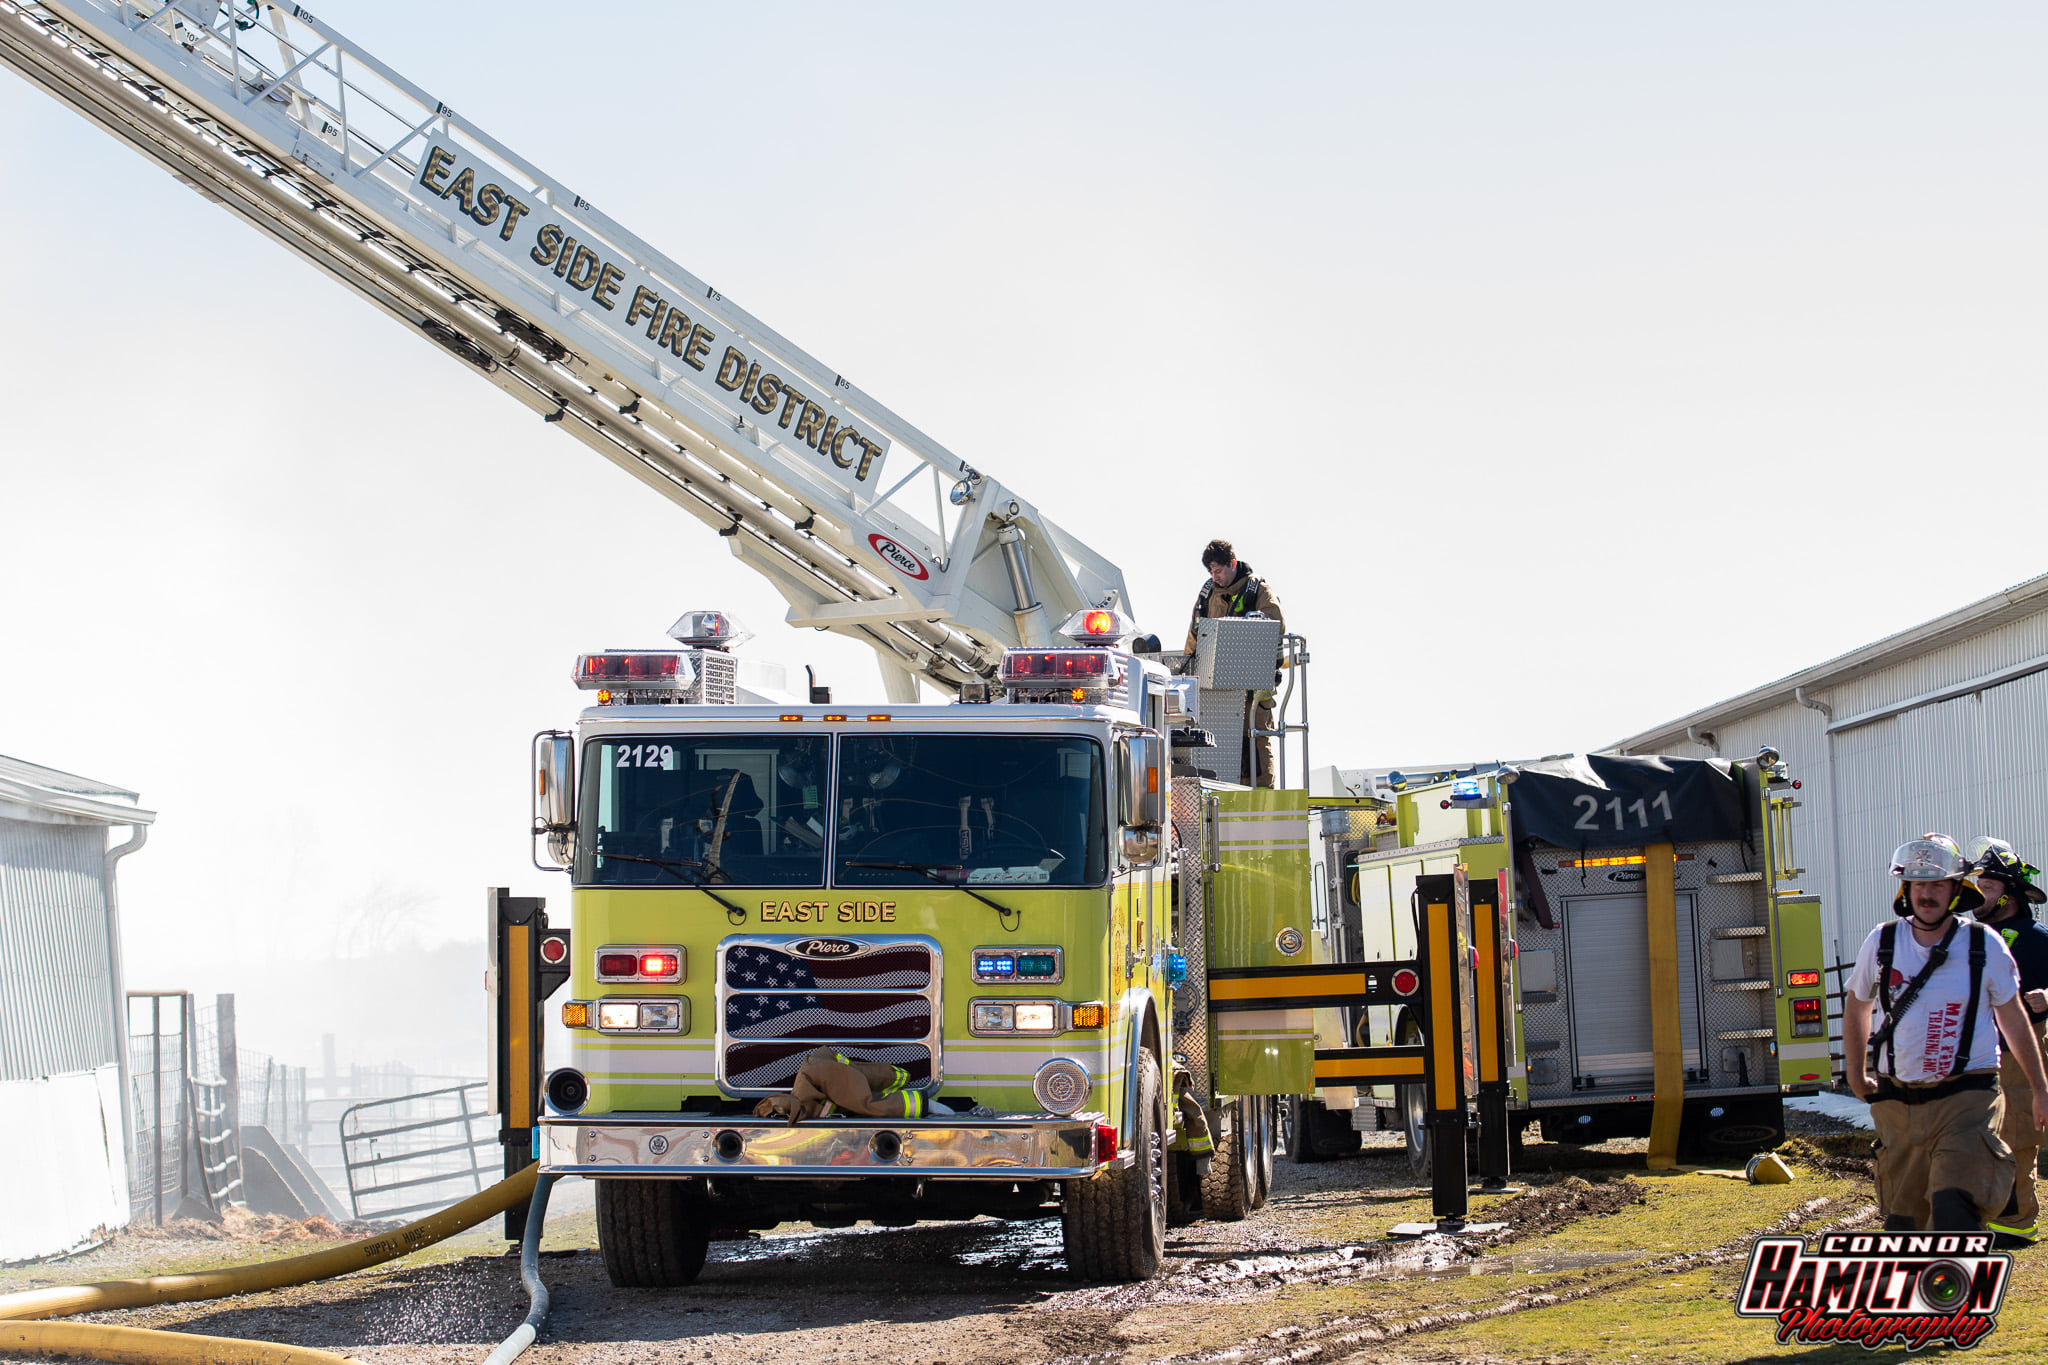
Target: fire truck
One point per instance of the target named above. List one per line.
(1662, 952)
(1013, 898)
(998, 895)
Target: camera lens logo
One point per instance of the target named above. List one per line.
(1943, 1285)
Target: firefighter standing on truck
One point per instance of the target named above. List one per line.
(2006, 882)
(1940, 984)
(1234, 590)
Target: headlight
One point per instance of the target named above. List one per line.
(1061, 1086)
(1039, 1016)
(1019, 1016)
(643, 1016)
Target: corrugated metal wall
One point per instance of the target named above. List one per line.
(1972, 765)
(55, 988)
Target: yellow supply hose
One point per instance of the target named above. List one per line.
(140, 1344)
(146, 1347)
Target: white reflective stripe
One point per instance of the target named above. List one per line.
(1818, 1051)
(1265, 1023)
(1262, 827)
(979, 1063)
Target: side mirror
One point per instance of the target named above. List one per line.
(554, 791)
(1140, 781)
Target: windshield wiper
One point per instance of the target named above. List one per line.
(679, 868)
(932, 870)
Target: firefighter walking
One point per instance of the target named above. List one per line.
(1946, 991)
(2006, 882)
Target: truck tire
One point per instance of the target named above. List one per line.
(1742, 1128)
(1263, 1108)
(1414, 1107)
(653, 1233)
(1315, 1133)
(1232, 1185)
(1114, 1225)
(1294, 1123)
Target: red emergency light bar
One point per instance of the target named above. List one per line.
(1050, 665)
(602, 670)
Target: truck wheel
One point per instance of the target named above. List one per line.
(1114, 1225)
(1331, 1133)
(1297, 1126)
(1414, 1108)
(653, 1233)
(1263, 1106)
(1231, 1186)
(1742, 1128)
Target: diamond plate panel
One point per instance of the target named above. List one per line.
(1190, 999)
(1236, 654)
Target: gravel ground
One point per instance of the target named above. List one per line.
(984, 1292)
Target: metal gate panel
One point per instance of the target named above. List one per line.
(1607, 949)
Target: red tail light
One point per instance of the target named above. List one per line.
(1105, 1142)
(657, 964)
(1802, 978)
(616, 964)
(1406, 982)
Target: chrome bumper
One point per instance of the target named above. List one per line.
(1033, 1148)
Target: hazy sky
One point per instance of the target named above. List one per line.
(1564, 368)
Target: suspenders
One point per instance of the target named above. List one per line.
(1887, 941)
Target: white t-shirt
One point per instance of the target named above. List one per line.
(1932, 1028)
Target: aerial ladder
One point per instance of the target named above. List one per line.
(865, 525)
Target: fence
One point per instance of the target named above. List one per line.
(192, 1090)
(393, 1149)
(183, 1064)
(409, 1153)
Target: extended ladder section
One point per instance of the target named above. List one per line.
(865, 525)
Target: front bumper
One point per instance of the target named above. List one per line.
(943, 1147)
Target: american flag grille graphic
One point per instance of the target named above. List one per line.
(778, 1003)
(760, 967)
(787, 1015)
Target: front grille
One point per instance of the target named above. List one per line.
(783, 995)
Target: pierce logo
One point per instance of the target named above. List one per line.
(1873, 1288)
(825, 947)
(904, 561)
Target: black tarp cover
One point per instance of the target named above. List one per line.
(1613, 801)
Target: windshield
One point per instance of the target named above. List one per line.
(713, 809)
(1023, 809)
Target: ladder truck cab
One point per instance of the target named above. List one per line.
(976, 897)
(1656, 921)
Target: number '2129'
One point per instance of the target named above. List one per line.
(1589, 806)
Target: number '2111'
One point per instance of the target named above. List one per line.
(1589, 808)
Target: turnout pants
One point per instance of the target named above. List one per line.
(2022, 1213)
(1951, 1143)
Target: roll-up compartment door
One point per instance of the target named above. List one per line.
(1607, 954)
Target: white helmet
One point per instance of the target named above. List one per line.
(1930, 858)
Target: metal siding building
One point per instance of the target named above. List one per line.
(1943, 727)
(63, 1083)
